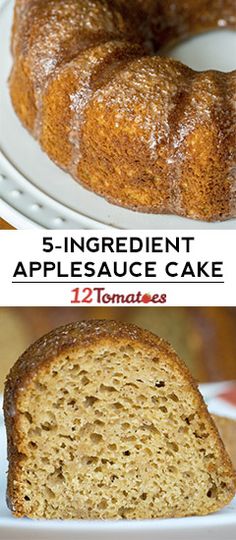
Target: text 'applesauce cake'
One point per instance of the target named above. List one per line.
(104, 421)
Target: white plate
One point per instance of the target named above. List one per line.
(219, 526)
(36, 193)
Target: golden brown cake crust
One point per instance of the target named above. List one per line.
(67, 339)
(143, 131)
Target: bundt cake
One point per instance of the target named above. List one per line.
(104, 421)
(144, 131)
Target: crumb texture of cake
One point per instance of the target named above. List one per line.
(105, 422)
(142, 130)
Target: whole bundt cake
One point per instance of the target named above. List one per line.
(144, 131)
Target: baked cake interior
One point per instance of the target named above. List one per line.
(113, 432)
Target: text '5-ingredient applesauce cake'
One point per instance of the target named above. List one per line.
(144, 131)
(104, 421)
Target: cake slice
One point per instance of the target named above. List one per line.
(105, 422)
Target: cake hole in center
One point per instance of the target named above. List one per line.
(211, 50)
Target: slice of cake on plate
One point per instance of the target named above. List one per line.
(104, 421)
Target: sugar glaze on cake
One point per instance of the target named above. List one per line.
(141, 130)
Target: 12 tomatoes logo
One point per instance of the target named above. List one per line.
(99, 295)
